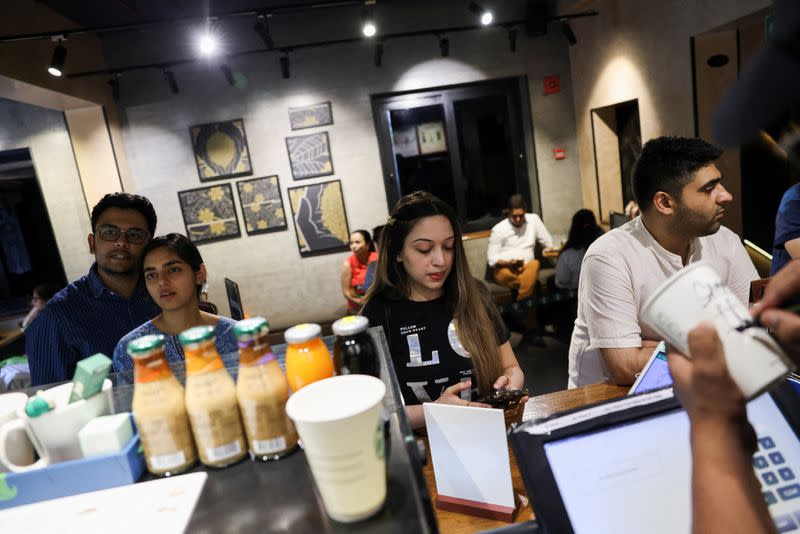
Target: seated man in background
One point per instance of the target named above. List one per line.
(679, 191)
(511, 244)
(92, 313)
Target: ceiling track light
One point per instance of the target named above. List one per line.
(59, 57)
(378, 54)
(113, 82)
(172, 82)
(512, 40)
(444, 46)
(228, 73)
(285, 72)
(484, 15)
(368, 25)
(568, 33)
(262, 29)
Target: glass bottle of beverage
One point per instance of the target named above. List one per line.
(262, 391)
(211, 400)
(307, 357)
(159, 410)
(354, 352)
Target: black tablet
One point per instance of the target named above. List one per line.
(234, 300)
(625, 465)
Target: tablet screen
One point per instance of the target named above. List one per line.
(636, 477)
(656, 376)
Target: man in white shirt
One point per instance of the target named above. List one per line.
(682, 201)
(511, 244)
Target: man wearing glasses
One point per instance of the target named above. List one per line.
(91, 314)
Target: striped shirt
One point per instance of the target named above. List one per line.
(82, 319)
(223, 331)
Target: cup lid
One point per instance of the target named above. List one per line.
(302, 332)
(250, 327)
(350, 325)
(145, 344)
(196, 334)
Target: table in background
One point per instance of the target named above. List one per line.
(536, 408)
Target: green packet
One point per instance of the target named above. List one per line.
(89, 375)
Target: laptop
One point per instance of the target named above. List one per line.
(234, 300)
(624, 466)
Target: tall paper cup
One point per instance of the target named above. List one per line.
(339, 422)
(697, 293)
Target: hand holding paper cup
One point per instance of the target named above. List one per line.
(697, 293)
(340, 425)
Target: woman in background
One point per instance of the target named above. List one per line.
(41, 294)
(443, 330)
(582, 233)
(354, 269)
(175, 274)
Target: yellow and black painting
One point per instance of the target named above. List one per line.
(220, 150)
(319, 218)
(262, 206)
(311, 116)
(310, 155)
(209, 213)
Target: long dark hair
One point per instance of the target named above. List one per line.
(583, 231)
(462, 292)
(181, 245)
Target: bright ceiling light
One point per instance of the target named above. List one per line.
(57, 62)
(207, 44)
(369, 29)
(487, 18)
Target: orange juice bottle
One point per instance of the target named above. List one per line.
(211, 400)
(307, 357)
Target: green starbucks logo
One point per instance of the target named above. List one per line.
(6, 492)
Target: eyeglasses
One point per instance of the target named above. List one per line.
(137, 236)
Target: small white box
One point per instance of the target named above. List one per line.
(106, 435)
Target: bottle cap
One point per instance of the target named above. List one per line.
(302, 332)
(196, 334)
(251, 327)
(350, 325)
(38, 405)
(145, 345)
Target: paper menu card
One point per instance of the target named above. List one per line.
(163, 506)
(469, 451)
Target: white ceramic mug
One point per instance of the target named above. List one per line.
(20, 450)
(697, 293)
(54, 434)
(339, 422)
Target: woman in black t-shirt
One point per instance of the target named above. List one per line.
(440, 322)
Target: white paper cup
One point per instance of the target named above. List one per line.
(340, 425)
(697, 293)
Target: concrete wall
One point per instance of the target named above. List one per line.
(44, 132)
(274, 280)
(641, 50)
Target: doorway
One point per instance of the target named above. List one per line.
(617, 140)
(464, 144)
(28, 252)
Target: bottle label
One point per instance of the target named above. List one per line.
(168, 461)
(268, 446)
(223, 452)
(165, 437)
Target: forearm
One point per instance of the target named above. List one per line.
(624, 364)
(726, 496)
(416, 416)
(516, 378)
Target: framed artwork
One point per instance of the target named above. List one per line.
(405, 142)
(311, 116)
(220, 150)
(431, 137)
(209, 214)
(319, 218)
(262, 205)
(310, 155)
